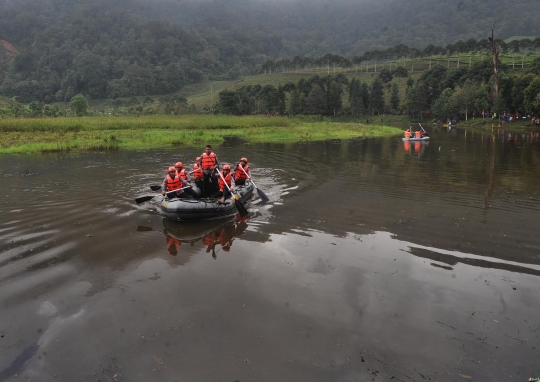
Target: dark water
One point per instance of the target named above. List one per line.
(373, 259)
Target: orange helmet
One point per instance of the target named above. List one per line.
(172, 169)
(179, 164)
(226, 167)
(244, 159)
(198, 159)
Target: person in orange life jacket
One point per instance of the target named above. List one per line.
(226, 237)
(174, 182)
(240, 177)
(408, 133)
(208, 164)
(197, 173)
(181, 172)
(173, 245)
(418, 134)
(210, 241)
(223, 190)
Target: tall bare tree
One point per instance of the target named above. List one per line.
(495, 50)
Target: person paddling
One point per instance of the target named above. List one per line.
(181, 171)
(418, 134)
(208, 164)
(408, 133)
(240, 176)
(197, 173)
(174, 182)
(223, 189)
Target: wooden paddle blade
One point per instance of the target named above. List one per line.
(262, 195)
(241, 208)
(143, 199)
(155, 188)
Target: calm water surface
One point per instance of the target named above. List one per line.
(374, 259)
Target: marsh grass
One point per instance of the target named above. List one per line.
(112, 133)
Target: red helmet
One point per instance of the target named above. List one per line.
(172, 169)
(179, 164)
(244, 159)
(226, 167)
(198, 159)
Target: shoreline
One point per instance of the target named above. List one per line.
(41, 135)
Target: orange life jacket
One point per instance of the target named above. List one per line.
(228, 179)
(240, 174)
(173, 184)
(197, 172)
(172, 241)
(407, 134)
(208, 161)
(418, 134)
(182, 174)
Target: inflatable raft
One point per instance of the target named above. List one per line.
(415, 139)
(200, 209)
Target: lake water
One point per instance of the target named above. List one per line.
(373, 259)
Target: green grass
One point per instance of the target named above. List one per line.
(111, 133)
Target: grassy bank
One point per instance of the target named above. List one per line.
(108, 133)
(487, 124)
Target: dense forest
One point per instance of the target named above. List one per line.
(123, 48)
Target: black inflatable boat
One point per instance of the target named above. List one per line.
(199, 209)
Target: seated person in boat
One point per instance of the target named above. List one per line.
(172, 185)
(223, 189)
(208, 164)
(418, 134)
(242, 172)
(181, 171)
(197, 173)
(407, 133)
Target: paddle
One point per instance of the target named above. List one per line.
(424, 130)
(239, 205)
(261, 194)
(143, 199)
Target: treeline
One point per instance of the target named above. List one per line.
(398, 52)
(441, 92)
(313, 96)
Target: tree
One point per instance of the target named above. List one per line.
(376, 99)
(481, 101)
(444, 105)
(385, 75)
(531, 97)
(315, 101)
(229, 102)
(394, 98)
(78, 104)
(401, 72)
(465, 97)
(355, 97)
(296, 102)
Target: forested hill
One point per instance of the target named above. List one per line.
(114, 48)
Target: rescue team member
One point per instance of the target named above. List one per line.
(174, 182)
(240, 177)
(208, 164)
(223, 190)
(418, 134)
(181, 172)
(408, 133)
(198, 174)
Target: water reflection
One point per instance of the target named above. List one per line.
(208, 233)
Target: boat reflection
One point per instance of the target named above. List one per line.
(214, 236)
(418, 146)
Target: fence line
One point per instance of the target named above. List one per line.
(412, 65)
